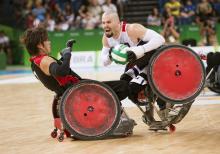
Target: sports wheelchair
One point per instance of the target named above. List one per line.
(91, 110)
(213, 71)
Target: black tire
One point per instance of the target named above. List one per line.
(212, 80)
(155, 89)
(215, 89)
(55, 107)
(79, 135)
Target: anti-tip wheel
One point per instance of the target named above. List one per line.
(61, 138)
(53, 134)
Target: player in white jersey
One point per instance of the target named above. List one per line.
(142, 43)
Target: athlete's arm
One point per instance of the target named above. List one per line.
(50, 67)
(105, 53)
(153, 39)
(45, 63)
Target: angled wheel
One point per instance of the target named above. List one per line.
(176, 74)
(213, 85)
(215, 89)
(90, 110)
(173, 114)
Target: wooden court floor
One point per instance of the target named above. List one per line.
(26, 123)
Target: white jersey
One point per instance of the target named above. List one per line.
(122, 39)
(150, 41)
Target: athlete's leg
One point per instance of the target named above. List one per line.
(120, 87)
(130, 73)
(161, 103)
(135, 68)
(136, 85)
(126, 124)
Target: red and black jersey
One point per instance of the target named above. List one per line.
(58, 84)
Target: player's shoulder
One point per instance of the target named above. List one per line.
(47, 57)
(46, 60)
(135, 27)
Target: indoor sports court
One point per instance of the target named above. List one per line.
(109, 76)
(26, 124)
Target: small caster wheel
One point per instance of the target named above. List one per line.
(53, 134)
(61, 138)
(172, 128)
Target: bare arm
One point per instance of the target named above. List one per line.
(136, 32)
(50, 67)
(45, 64)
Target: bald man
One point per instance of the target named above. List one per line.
(142, 43)
(116, 32)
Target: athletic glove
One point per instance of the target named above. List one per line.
(70, 43)
(66, 52)
(131, 56)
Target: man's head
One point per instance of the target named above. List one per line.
(110, 23)
(36, 41)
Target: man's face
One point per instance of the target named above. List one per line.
(109, 25)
